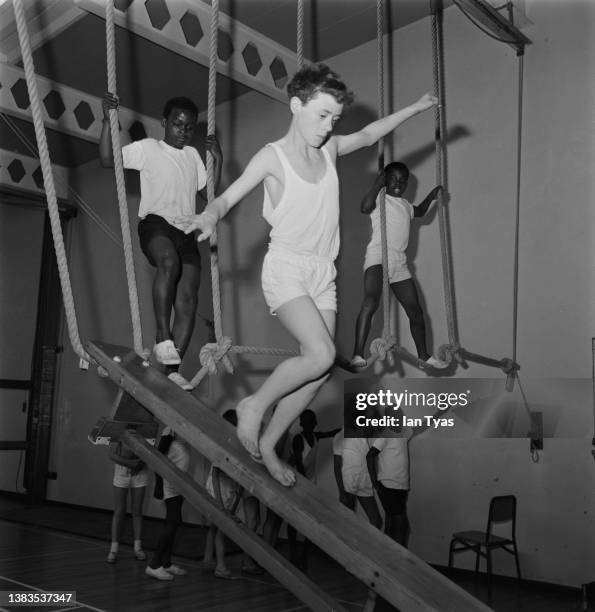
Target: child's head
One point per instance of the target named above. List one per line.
(231, 416)
(318, 78)
(316, 98)
(396, 176)
(308, 420)
(179, 120)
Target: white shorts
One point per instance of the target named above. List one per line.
(397, 263)
(124, 479)
(356, 480)
(286, 276)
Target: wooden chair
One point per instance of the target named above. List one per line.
(502, 510)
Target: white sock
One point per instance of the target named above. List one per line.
(114, 547)
(138, 544)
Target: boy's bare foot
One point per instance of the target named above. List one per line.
(249, 421)
(277, 469)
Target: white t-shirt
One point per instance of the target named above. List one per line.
(169, 177)
(399, 213)
(393, 462)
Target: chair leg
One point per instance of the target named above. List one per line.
(489, 572)
(451, 553)
(516, 560)
(477, 551)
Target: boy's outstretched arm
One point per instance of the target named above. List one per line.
(374, 131)
(106, 153)
(421, 209)
(368, 203)
(255, 172)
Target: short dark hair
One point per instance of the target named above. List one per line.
(182, 103)
(395, 166)
(318, 78)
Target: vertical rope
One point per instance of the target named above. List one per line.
(48, 181)
(384, 243)
(215, 281)
(442, 174)
(120, 185)
(300, 34)
(515, 300)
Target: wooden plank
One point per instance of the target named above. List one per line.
(383, 565)
(299, 584)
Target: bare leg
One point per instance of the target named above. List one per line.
(120, 498)
(185, 305)
(137, 499)
(371, 509)
(220, 551)
(314, 331)
(406, 293)
(168, 268)
(372, 293)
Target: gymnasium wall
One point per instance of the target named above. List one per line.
(452, 480)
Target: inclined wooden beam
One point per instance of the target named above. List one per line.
(383, 565)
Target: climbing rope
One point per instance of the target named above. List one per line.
(382, 348)
(48, 180)
(214, 353)
(453, 350)
(442, 176)
(300, 34)
(120, 185)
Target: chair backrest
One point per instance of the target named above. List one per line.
(502, 509)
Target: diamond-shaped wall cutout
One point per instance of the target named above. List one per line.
(20, 93)
(38, 177)
(279, 73)
(137, 131)
(122, 5)
(191, 28)
(251, 59)
(158, 13)
(16, 170)
(54, 105)
(84, 115)
(224, 46)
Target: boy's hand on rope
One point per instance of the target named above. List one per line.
(436, 192)
(205, 223)
(109, 102)
(213, 147)
(426, 101)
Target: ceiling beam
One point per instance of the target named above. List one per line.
(69, 110)
(183, 26)
(24, 173)
(44, 22)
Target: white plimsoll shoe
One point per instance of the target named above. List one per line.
(166, 353)
(158, 573)
(438, 364)
(357, 361)
(177, 378)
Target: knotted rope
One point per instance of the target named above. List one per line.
(120, 184)
(300, 34)
(48, 181)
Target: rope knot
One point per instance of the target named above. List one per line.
(448, 352)
(213, 352)
(382, 346)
